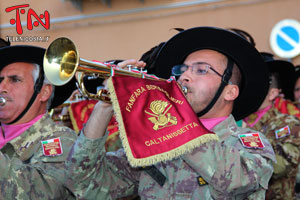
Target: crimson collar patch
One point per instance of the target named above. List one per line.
(52, 147)
(251, 140)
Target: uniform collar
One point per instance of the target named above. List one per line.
(231, 128)
(9, 132)
(27, 143)
(254, 118)
(266, 117)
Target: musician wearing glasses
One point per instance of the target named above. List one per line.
(225, 79)
(33, 147)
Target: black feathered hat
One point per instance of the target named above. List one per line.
(285, 71)
(254, 73)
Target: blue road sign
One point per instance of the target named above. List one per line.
(285, 38)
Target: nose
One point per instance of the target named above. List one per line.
(185, 77)
(3, 87)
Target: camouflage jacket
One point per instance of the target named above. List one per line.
(215, 170)
(287, 150)
(26, 173)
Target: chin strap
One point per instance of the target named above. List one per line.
(225, 81)
(37, 88)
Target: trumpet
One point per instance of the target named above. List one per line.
(62, 61)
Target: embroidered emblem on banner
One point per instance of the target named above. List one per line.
(251, 140)
(52, 147)
(283, 132)
(161, 118)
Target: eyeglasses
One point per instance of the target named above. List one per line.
(199, 68)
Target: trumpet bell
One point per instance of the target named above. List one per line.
(60, 61)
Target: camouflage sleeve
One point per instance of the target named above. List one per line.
(96, 174)
(287, 160)
(230, 171)
(26, 181)
(288, 156)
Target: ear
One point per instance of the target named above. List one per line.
(273, 93)
(231, 92)
(45, 92)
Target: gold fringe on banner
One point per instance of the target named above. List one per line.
(73, 120)
(151, 160)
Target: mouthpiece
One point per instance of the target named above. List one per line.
(2, 101)
(184, 90)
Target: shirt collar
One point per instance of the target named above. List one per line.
(23, 145)
(15, 130)
(210, 123)
(253, 118)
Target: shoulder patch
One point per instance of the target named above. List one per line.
(283, 132)
(155, 174)
(52, 147)
(251, 140)
(201, 181)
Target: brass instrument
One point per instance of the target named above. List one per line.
(2, 101)
(60, 118)
(61, 62)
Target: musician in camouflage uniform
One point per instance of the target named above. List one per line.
(224, 169)
(282, 130)
(33, 147)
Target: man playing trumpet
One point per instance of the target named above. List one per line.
(33, 147)
(225, 82)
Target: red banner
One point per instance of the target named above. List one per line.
(286, 107)
(156, 122)
(80, 113)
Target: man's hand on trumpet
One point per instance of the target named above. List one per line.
(131, 63)
(98, 121)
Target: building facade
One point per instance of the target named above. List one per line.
(122, 29)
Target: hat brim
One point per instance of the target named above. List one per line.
(33, 54)
(286, 72)
(254, 72)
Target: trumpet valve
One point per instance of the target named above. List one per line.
(103, 95)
